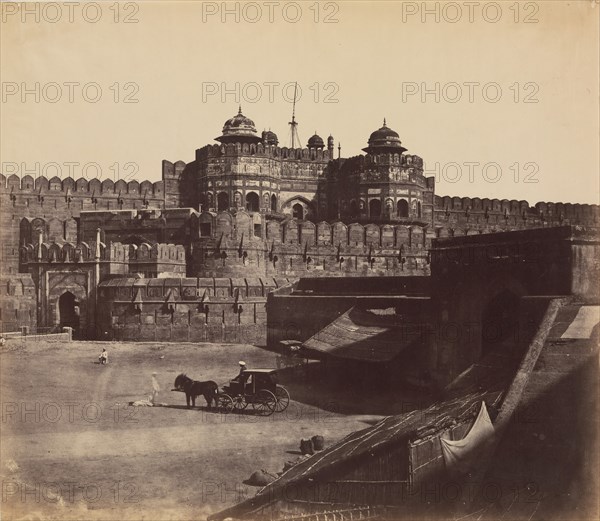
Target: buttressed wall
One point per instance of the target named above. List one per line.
(186, 309)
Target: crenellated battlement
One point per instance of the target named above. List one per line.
(358, 164)
(542, 212)
(156, 252)
(227, 226)
(266, 151)
(186, 289)
(192, 309)
(69, 252)
(172, 170)
(237, 244)
(69, 187)
(148, 259)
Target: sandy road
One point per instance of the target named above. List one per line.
(71, 447)
(234, 434)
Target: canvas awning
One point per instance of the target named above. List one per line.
(368, 335)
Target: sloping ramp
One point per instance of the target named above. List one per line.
(548, 424)
(582, 326)
(361, 334)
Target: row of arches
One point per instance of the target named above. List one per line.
(251, 201)
(297, 206)
(377, 209)
(269, 151)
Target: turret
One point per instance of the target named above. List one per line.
(269, 138)
(384, 140)
(239, 129)
(316, 142)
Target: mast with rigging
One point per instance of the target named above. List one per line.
(295, 138)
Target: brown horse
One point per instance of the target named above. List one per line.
(193, 388)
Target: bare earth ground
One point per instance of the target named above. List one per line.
(71, 446)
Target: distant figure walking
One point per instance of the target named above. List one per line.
(155, 389)
(103, 358)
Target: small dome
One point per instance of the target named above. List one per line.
(316, 141)
(239, 126)
(384, 138)
(269, 138)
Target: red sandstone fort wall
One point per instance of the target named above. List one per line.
(59, 203)
(186, 309)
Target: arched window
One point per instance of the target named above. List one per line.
(418, 209)
(252, 202)
(402, 208)
(374, 208)
(222, 201)
(298, 211)
(273, 203)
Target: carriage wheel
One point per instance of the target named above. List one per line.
(283, 398)
(239, 402)
(225, 403)
(264, 402)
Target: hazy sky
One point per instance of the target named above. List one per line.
(495, 94)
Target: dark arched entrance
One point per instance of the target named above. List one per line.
(298, 211)
(252, 202)
(68, 311)
(375, 208)
(222, 201)
(500, 322)
(402, 208)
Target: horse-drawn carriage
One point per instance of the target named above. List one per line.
(255, 387)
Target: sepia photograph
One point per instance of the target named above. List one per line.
(300, 260)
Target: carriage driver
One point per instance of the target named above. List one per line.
(242, 370)
(240, 379)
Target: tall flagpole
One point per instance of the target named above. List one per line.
(294, 124)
